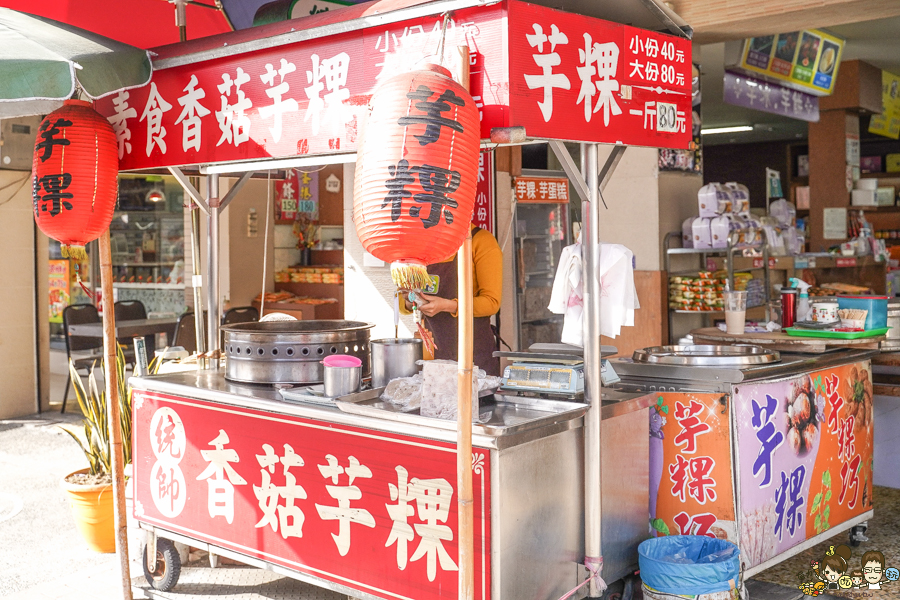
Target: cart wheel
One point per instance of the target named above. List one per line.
(168, 566)
(858, 535)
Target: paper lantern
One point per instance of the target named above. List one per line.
(74, 176)
(416, 171)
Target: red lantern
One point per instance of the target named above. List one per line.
(416, 172)
(74, 176)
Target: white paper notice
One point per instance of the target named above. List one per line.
(835, 225)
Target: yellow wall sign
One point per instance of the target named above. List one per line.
(888, 122)
(807, 60)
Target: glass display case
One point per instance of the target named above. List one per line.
(542, 231)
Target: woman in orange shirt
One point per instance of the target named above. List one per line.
(439, 305)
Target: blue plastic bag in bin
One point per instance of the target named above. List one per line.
(689, 564)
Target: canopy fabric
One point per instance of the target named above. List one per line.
(41, 61)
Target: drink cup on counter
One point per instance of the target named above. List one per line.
(735, 311)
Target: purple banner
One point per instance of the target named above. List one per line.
(748, 92)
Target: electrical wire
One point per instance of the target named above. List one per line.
(19, 189)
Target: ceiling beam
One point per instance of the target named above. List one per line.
(723, 20)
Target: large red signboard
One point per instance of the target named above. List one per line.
(560, 75)
(368, 510)
(576, 78)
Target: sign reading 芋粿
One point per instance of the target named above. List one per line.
(567, 77)
(371, 511)
(541, 190)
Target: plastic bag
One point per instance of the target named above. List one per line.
(439, 390)
(689, 564)
(405, 392)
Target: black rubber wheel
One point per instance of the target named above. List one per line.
(168, 566)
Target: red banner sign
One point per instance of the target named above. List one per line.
(576, 78)
(371, 511)
(484, 192)
(567, 77)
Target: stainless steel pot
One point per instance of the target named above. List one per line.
(291, 351)
(393, 358)
(340, 381)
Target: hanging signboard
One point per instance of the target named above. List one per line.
(483, 216)
(888, 122)
(804, 60)
(805, 457)
(371, 511)
(542, 190)
(561, 75)
(758, 94)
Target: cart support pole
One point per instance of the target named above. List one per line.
(197, 282)
(212, 277)
(112, 410)
(590, 248)
(465, 297)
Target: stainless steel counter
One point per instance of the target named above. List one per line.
(700, 378)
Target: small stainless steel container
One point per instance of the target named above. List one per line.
(393, 358)
(340, 381)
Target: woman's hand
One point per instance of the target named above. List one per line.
(435, 304)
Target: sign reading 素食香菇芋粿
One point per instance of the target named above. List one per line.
(567, 77)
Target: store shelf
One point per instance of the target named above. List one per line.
(879, 176)
(710, 251)
(148, 286)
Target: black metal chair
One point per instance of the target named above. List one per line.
(129, 310)
(133, 310)
(186, 332)
(80, 314)
(240, 314)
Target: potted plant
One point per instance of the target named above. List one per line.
(90, 490)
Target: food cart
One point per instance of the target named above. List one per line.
(361, 503)
(772, 451)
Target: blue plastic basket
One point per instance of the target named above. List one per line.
(689, 564)
(876, 305)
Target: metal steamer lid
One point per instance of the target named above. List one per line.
(739, 355)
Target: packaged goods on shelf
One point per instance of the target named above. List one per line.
(310, 275)
(702, 292)
(289, 298)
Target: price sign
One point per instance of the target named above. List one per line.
(845, 262)
(666, 120)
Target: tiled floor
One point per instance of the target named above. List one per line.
(883, 534)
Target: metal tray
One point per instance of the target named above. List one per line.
(509, 414)
(738, 355)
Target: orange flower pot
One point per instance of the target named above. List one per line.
(92, 507)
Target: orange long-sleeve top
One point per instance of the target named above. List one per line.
(487, 281)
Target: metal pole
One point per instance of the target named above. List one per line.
(212, 262)
(590, 248)
(197, 282)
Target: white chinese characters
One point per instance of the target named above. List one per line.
(119, 122)
(329, 74)
(432, 499)
(547, 79)
(168, 442)
(221, 477)
(232, 118)
(344, 495)
(602, 61)
(279, 106)
(153, 114)
(190, 115)
(290, 517)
